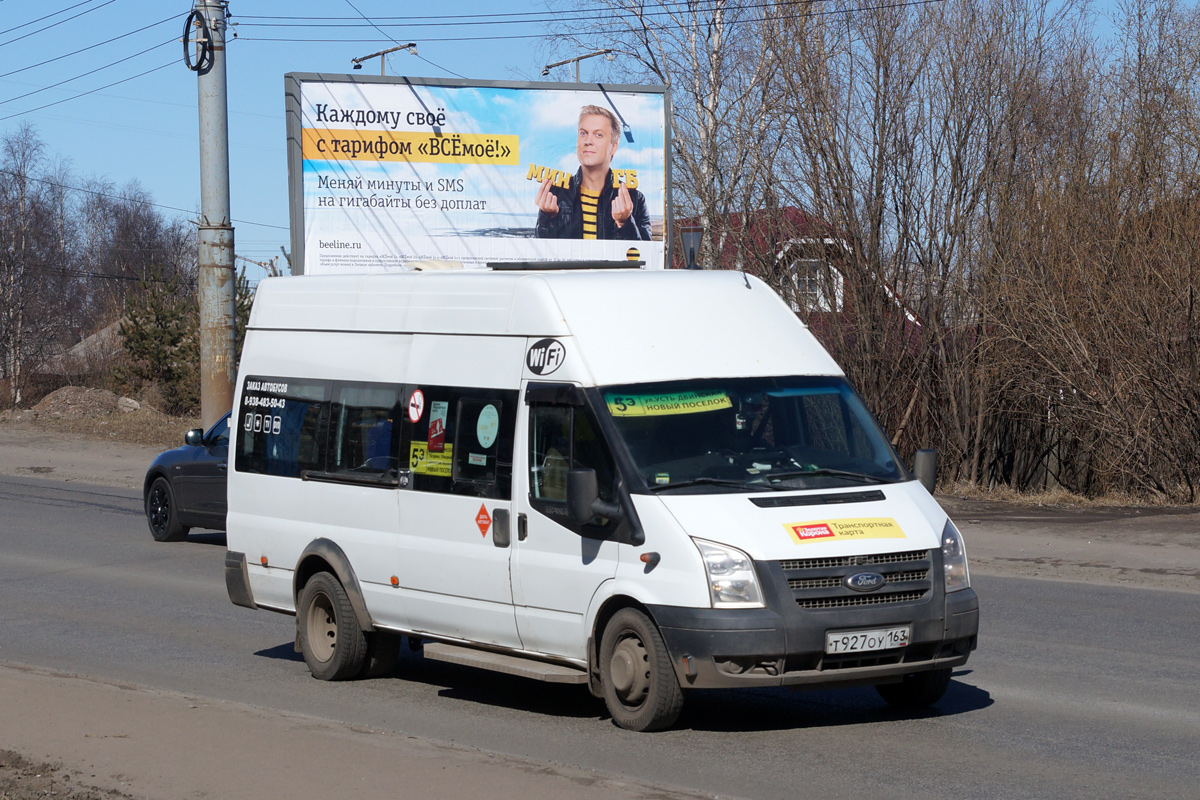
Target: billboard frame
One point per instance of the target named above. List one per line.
(293, 81)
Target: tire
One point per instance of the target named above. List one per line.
(918, 690)
(333, 645)
(639, 683)
(161, 513)
(383, 651)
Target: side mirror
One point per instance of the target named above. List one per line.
(194, 437)
(925, 468)
(583, 498)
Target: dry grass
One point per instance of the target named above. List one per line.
(137, 427)
(1050, 497)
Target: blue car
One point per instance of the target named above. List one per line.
(185, 487)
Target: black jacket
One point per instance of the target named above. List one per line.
(568, 222)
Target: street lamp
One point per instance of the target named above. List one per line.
(411, 47)
(607, 53)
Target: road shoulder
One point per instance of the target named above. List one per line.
(109, 740)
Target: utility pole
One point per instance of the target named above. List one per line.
(217, 278)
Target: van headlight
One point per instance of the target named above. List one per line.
(732, 582)
(954, 559)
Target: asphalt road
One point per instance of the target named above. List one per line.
(1077, 690)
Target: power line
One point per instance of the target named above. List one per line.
(60, 22)
(48, 16)
(376, 27)
(58, 185)
(91, 46)
(89, 72)
(567, 18)
(91, 91)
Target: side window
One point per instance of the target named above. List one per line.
(362, 430)
(281, 424)
(549, 452)
(462, 440)
(478, 427)
(218, 434)
(562, 438)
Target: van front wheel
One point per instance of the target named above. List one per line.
(333, 645)
(640, 687)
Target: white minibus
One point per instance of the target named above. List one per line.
(645, 482)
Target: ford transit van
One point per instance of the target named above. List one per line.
(644, 482)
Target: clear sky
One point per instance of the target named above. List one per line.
(145, 128)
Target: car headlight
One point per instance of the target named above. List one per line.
(732, 582)
(954, 559)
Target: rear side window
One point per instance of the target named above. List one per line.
(363, 434)
(281, 424)
(462, 440)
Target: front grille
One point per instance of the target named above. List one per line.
(862, 600)
(855, 561)
(817, 583)
(827, 583)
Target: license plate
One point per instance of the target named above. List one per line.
(866, 641)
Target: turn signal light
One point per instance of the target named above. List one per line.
(263, 560)
(395, 581)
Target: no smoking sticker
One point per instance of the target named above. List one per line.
(416, 405)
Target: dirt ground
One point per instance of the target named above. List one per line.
(70, 737)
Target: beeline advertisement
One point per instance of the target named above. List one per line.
(389, 171)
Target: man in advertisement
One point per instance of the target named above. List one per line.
(592, 207)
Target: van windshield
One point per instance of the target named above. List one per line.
(750, 434)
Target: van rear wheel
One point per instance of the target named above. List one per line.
(333, 645)
(640, 687)
(917, 690)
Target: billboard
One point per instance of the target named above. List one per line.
(385, 171)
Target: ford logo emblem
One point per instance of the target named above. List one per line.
(864, 581)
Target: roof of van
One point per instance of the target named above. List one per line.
(631, 325)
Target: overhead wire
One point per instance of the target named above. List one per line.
(60, 22)
(89, 72)
(376, 27)
(48, 16)
(804, 14)
(91, 46)
(91, 91)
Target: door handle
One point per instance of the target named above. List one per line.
(223, 465)
(522, 527)
(501, 535)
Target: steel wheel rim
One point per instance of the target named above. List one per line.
(322, 628)
(160, 508)
(629, 671)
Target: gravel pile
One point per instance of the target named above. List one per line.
(78, 402)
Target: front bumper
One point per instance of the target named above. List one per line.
(784, 644)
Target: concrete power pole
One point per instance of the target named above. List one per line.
(217, 279)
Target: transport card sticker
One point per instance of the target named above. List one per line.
(437, 425)
(416, 405)
(483, 520)
(424, 461)
(659, 405)
(488, 426)
(844, 530)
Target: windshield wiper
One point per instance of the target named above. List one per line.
(715, 482)
(837, 473)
